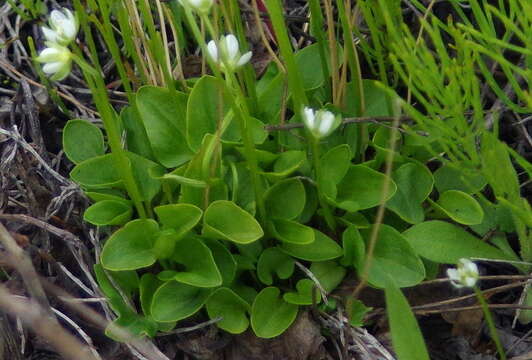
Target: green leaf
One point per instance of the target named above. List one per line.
(148, 285)
(407, 340)
(446, 243)
(287, 163)
(328, 273)
(174, 301)
(136, 137)
(303, 295)
(82, 140)
(163, 113)
(361, 188)
(225, 220)
(376, 99)
(393, 258)
(270, 314)
(231, 308)
(200, 267)
(358, 311)
(335, 162)
(113, 296)
(458, 177)
(205, 109)
(130, 247)
(135, 324)
(225, 262)
(461, 207)
(306, 59)
(414, 184)
(273, 261)
(321, 249)
(108, 212)
(97, 172)
(285, 199)
(141, 169)
(180, 217)
(292, 232)
(354, 247)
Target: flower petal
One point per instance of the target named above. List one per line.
(212, 49)
(309, 117)
(244, 58)
(326, 122)
(49, 54)
(231, 46)
(52, 67)
(49, 34)
(56, 18)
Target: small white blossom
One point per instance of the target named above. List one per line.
(227, 53)
(57, 61)
(320, 123)
(63, 28)
(466, 274)
(201, 6)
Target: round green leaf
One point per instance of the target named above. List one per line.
(225, 220)
(306, 59)
(361, 188)
(200, 268)
(286, 164)
(225, 262)
(148, 285)
(449, 177)
(446, 243)
(336, 162)
(328, 273)
(163, 113)
(321, 249)
(108, 212)
(271, 261)
(180, 217)
(285, 199)
(393, 258)
(303, 295)
(461, 207)
(270, 314)
(231, 308)
(142, 169)
(82, 140)
(292, 232)
(414, 184)
(205, 108)
(174, 301)
(97, 172)
(130, 247)
(354, 247)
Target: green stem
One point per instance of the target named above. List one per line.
(109, 119)
(329, 218)
(491, 324)
(242, 114)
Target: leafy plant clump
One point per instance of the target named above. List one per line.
(227, 186)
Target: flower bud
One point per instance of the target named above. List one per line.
(57, 61)
(465, 275)
(227, 53)
(320, 123)
(201, 6)
(63, 28)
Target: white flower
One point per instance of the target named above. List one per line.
(63, 28)
(320, 123)
(227, 53)
(57, 61)
(201, 6)
(466, 274)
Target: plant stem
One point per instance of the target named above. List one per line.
(491, 324)
(329, 218)
(242, 113)
(109, 119)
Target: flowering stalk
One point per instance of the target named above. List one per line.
(227, 59)
(466, 275)
(320, 124)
